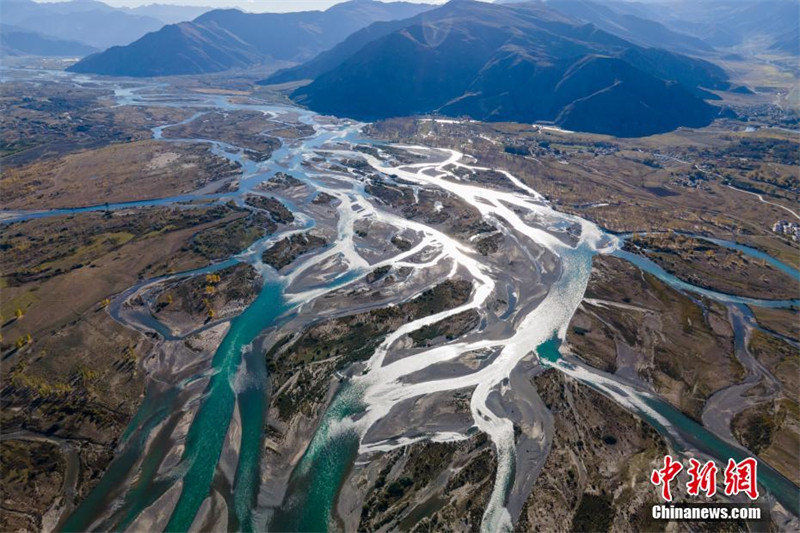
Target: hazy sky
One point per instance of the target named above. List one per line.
(247, 5)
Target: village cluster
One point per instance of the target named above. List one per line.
(790, 229)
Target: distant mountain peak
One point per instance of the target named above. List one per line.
(89, 22)
(224, 39)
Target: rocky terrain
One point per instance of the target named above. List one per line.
(596, 475)
(632, 323)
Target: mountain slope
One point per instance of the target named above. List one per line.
(519, 62)
(335, 56)
(720, 22)
(15, 41)
(193, 49)
(229, 38)
(86, 21)
(636, 29)
(787, 43)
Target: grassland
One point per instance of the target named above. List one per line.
(780, 357)
(27, 469)
(72, 376)
(286, 250)
(47, 119)
(188, 303)
(72, 373)
(56, 269)
(69, 371)
(772, 431)
(785, 322)
(595, 477)
(122, 172)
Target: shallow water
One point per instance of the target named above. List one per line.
(315, 482)
(209, 428)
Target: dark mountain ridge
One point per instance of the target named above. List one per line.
(224, 39)
(518, 62)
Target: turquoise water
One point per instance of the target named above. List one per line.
(692, 433)
(208, 431)
(695, 435)
(548, 350)
(747, 250)
(698, 437)
(252, 403)
(316, 480)
(653, 268)
(209, 428)
(314, 486)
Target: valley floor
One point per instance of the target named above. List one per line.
(415, 324)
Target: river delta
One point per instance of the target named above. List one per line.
(359, 329)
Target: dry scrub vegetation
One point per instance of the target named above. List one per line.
(125, 172)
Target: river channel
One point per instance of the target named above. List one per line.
(237, 377)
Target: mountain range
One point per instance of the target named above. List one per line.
(85, 21)
(722, 23)
(514, 62)
(616, 21)
(16, 41)
(228, 38)
(623, 68)
(168, 13)
(631, 27)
